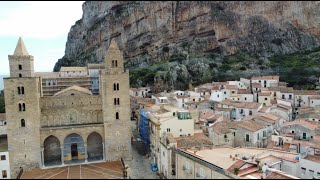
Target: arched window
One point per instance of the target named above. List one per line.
(114, 87)
(20, 75)
(115, 101)
(20, 107)
(118, 101)
(117, 115)
(23, 107)
(19, 92)
(118, 86)
(116, 63)
(23, 123)
(22, 90)
(20, 67)
(112, 63)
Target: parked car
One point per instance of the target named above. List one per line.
(154, 167)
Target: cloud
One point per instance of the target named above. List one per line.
(43, 20)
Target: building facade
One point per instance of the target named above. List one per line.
(73, 124)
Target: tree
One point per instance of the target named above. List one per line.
(2, 105)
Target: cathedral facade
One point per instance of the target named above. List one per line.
(77, 115)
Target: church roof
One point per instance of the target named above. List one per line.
(21, 49)
(76, 88)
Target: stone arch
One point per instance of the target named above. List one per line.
(94, 147)
(73, 148)
(52, 151)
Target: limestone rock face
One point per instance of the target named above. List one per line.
(152, 32)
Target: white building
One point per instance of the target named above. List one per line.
(310, 167)
(266, 81)
(314, 101)
(4, 159)
(168, 119)
(240, 109)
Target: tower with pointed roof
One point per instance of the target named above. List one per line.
(21, 63)
(22, 99)
(116, 105)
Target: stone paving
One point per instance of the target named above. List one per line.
(104, 170)
(139, 166)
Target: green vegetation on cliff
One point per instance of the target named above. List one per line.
(300, 70)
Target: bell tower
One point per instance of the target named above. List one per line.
(116, 105)
(21, 63)
(22, 99)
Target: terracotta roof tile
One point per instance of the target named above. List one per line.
(251, 125)
(265, 78)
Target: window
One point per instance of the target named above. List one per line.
(234, 134)
(112, 63)
(225, 92)
(22, 90)
(168, 129)
(264, 134)
(174, 114)
(265, 99)
(290, 96)
(114, 87)
(312, 102)
(187, 165)
(218, 95)
(303, 170)
(19, 91)
(282, 96)
(247, 138)
(232, 92)
(22, 107)
(245, 98)
(250, 112)
(23, 123)
(258, 136)
(311, 172)
(241, 111)
(118, 101)
(115, 101)
(318, 174)
(117, 115)
(118, 86)
(20, 75)
(116, 63)
(292, 132)
(304, 135)
(4, 174)
(20, 67)
(225, 136)
(3, 158)
(201, 172)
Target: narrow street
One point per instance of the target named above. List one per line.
(140, 166)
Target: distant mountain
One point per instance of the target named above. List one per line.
(1, 81)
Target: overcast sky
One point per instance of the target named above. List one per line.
(44, 27)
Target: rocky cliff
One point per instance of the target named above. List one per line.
(177, 42)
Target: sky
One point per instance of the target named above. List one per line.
(43, 26)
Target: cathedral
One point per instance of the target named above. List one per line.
(76, 115)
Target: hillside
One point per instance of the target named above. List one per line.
(174, 43)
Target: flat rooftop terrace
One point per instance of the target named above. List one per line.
(104, 170)
(220, 156)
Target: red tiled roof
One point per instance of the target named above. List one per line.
(302, 123)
